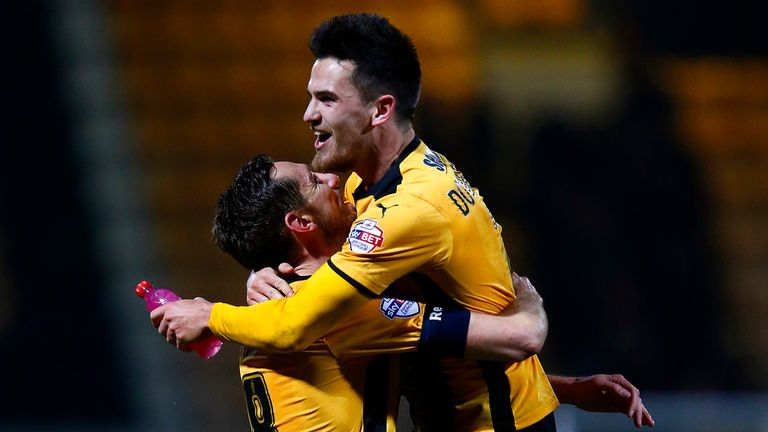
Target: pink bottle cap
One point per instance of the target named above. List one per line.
(142, 288)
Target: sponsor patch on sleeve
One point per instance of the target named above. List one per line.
(365, 236)
(395, 308)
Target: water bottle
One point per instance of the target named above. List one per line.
(156, 297)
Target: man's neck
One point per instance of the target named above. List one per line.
(314, 250)
(387, 148)
(309, 266)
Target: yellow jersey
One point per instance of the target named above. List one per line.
(314, 390)
(423, 227)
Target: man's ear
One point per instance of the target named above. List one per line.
(385, 109)
(299, 222)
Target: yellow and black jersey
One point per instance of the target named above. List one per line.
(424, 227)
(423, 217)
(313, 390)
(478, 396)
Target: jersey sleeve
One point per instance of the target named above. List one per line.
(292, 323)
(392, 325)
(382, 326)
(396, 237)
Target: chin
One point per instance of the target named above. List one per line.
(328, 162)
(320, 164)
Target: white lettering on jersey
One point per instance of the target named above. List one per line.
(397, 308)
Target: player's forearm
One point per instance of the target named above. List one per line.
(505, 338)
(289, 324)
(246, 325)
(564, 388)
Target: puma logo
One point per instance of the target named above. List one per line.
(384, 209)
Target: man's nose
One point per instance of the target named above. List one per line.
(332, 180)
(311, 115)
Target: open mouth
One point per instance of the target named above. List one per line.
(321, 138)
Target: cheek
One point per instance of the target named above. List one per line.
(349, 121)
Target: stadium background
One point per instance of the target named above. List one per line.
(622, 145)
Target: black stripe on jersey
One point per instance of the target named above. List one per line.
(429, 396)
(294, 278)
(498, 395)
(360, 287)
(391, 179)
(375, 395)
(423, 381)
(547, 424)
(432, 292)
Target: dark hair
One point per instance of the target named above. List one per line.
(385, 59)
(248, 221)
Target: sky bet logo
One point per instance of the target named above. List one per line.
(365, 236)
(397, 308)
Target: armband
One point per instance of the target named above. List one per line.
(444, 331)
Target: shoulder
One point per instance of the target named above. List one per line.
(431, 177)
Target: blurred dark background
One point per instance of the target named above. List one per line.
(622, 145)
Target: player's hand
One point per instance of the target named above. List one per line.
(528, 303)
(183, 321)
(266, 284)
(611, 393)
(517, 333)
(528, 299)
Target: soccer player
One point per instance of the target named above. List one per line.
(419, 223)
(283, 212)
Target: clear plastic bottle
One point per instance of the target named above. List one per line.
(156, 297)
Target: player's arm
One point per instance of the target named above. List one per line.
(514, 335)
(517, 333)
(602, 393)
(284, 325)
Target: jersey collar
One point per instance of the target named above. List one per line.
(391, 179)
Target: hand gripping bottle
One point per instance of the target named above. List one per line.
(156, 297)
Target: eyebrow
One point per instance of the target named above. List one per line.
(310, 175)
(321, 93)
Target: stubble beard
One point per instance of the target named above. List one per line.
(335, 230)
(333, 160)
